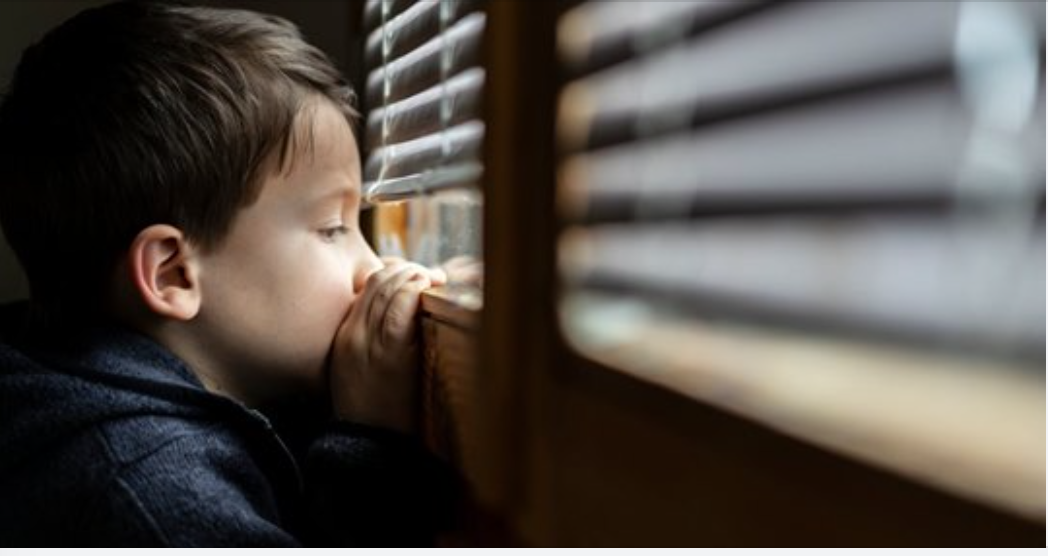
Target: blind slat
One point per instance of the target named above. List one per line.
(422, 113)
(423, 90)
(871, 165)
(901, 276)
(456, 145)
(596, 35)
(879, 150)
(373, 11)
(412, 27)
(421, 68)
(427, 181)
(773, 58)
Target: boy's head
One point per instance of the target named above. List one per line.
(192, 171)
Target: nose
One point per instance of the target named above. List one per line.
(368, 264)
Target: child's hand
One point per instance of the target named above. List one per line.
(375, 360)
(464, 271)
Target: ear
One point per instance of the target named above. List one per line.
(164, 272)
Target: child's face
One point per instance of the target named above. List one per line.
(277, 288)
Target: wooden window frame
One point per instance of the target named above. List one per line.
(562, 449)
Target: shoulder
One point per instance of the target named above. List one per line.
(146, 480)
(143, 440)
(181, 456)
(199, 484)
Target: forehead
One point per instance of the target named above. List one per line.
(321, 126)
(322, 155)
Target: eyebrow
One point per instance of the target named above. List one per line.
(341, 188)
(342, 192)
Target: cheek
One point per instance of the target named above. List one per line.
(327, 297)
(308, 319)
(331, 302)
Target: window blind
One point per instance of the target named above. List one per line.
(423, 131)
(873, 167)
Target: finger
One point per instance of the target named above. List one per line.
(398, 323)
(473, 276)
(372, 285)
(437, 276)
(385, 292)
(460, 261)
(381, 293)
(464, 270)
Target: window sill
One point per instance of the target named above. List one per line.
(456, 305)
(450, 319)
(971, 427)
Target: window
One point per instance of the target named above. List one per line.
(423, 170)
(424, 130)
(753, 417)
(825, 215)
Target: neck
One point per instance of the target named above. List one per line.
(216, 377)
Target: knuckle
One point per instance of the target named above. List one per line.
(384, 296)
(396, 322)
(374, 279)
(399, 317)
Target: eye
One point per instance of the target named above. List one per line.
(332, 233)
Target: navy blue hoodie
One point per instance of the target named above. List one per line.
(107, 438)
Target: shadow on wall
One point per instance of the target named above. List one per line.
(21, 23)
(324, 23)
(12, 280)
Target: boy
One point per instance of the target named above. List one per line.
(181, 185)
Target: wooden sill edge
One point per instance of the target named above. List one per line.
(974, 428)
(459, 306)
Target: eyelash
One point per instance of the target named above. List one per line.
(330, 234)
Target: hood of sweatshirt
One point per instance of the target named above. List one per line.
(79, 405)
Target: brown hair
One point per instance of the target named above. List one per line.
(138, 113)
